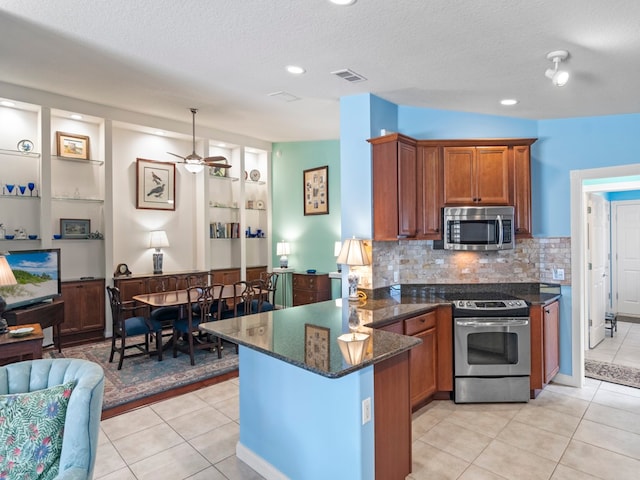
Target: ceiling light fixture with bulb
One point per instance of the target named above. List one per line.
(558, 77)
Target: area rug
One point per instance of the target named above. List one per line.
(610, 372)
(144, 376)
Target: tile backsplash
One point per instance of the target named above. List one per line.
(415, 261)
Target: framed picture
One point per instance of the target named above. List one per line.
(75, 228)
(316, 346)
(316, 190)
(71, 145)
(155, 185)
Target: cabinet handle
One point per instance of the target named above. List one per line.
(546, 310)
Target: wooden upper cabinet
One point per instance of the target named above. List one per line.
(521, 182)
(394, 187)
(430, 199)
(476, 175)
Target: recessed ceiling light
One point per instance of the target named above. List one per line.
(7, 103)
(508, 102)
(343, 3)
(75, 116)
(295, 70)
(222, 144)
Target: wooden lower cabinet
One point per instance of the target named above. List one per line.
(423, 359)
(227, 276)
(545, 345)
(392, 418)
(431, 362)
(311, 288)
(84, 312)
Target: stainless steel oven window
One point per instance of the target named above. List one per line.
(492, 348)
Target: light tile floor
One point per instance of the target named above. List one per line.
(622, 349)
(566, 433)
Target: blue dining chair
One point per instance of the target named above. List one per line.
(129, 319)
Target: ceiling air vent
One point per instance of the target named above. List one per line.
(349, 75)
(284, 96)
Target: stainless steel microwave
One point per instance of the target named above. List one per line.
(478, 228)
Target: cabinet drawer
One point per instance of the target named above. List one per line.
(307, 282)
(303, 297)
(420, 323)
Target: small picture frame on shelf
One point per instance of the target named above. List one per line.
(217, 172)
(71, 145)
(315, 189)
(316, 346)
(155, 185)
(75, 228)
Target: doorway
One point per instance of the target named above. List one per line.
(584, 182)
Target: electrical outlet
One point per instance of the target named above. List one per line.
(558, 273)
(366, 410)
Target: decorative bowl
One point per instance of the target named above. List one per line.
(33, 237)
(57, 236)
(9, 237)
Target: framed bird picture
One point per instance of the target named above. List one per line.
(155, 185)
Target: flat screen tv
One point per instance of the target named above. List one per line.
(38, 276)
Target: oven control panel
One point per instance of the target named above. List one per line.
(490, 308)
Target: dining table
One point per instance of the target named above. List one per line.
(180, 298)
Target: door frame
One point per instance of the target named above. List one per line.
(605, 179)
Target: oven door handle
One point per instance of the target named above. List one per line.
(493, 323)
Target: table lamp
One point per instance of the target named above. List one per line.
(6, 278)
(353, 253)
(157, 240)
(283, 249)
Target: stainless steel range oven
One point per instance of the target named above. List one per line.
(492, 349)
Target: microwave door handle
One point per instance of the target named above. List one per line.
(500, 231)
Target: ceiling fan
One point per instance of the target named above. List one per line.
(194, 162)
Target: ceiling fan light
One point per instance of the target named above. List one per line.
(193, 167)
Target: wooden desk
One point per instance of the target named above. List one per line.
(46, 314)
(16, 349)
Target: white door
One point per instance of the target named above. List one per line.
(598, 255)
(627, 244)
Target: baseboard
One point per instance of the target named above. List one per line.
(258, 463)
(627, 318)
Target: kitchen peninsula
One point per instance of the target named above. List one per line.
(307, 419)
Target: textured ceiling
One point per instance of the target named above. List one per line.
(225, 56)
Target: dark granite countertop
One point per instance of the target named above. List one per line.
(281, 334)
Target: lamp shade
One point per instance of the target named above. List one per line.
(353, 347)
(6, 274)
(158, 239)
(353, 252)
(283, 248)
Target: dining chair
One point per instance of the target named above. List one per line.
(261, 294)
(270, 280)
(203, 307)
(131, 319)
(164, 315)
(197, 280)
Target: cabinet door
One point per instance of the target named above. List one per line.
(84, 311)
(522, 190)
(423, 366)
(551, 332)
(430, 200)
(407, 190)
(225, 276)
(395, 327)
(492, 176)
(459, 185)
(130, 286)
(394, 187)
(254, 273)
